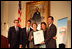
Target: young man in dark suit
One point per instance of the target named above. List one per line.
(14, 35)
(25, 35)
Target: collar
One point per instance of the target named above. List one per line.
(27, 28)
(15, 26)
(50, 24)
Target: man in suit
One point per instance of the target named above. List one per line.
(37, 17)
(52, 30)
(14, 35)
(25, 35)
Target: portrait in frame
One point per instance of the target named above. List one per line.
(37, 11)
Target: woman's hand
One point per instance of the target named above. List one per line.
(31, 37)
(43, 42)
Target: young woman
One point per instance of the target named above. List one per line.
(44, 28)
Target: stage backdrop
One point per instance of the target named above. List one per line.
(62, 31)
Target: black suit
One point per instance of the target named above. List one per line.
(24, 37)
(14, 37)
(50, 42)
(37, 17)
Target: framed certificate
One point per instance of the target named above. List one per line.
(38, 37)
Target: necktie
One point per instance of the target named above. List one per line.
(27, 31)
(16, 28)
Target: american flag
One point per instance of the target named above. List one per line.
(19, 12)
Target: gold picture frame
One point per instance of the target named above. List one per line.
(44, 9)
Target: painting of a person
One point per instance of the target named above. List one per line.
(37, 17)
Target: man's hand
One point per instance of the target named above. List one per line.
(9, 45)
(20, 46)
(43, 42)
(55, 38)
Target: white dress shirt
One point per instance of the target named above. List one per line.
(50, 25)
(27, 29)
(16, 28)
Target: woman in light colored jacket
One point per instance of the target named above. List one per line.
(31, 37)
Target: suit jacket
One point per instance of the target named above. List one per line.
(24, 37)
(14, 36)
(37, 16)
(31, 43)
(51, 32)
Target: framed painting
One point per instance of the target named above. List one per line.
(37, 11)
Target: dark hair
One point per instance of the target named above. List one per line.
(34, 23)
(51, 17)
(29, 21)
(16, 20)
(44, 24)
